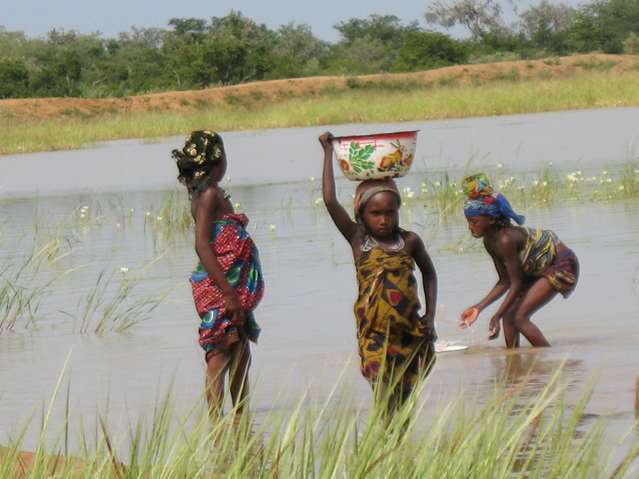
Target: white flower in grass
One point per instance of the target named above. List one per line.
(124, 269)
(318, 201)
(622, 187)
(500, 165)
(272, 227)
(159, 218)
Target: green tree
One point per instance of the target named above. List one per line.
(546, 25)
(296, 52)
(388, 29)
(369, 44)
(230, 49)
(631, 44)
(362, 55)
(479, 17)
(604, 25)
(430, 49)
(14, 79)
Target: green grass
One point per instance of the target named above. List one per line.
(442, 194)
(113, 305)
(541, 189)
(509, 435)
(595, 64)
(25, 281)
(357, 103)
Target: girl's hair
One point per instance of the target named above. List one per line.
(503, 221)
(202, 149)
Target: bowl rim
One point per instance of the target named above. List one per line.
(379, 136)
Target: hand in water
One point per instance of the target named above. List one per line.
(494, 328)
(468, 317)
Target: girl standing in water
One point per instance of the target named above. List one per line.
(532, 264)
(227, 282)
(395, 341)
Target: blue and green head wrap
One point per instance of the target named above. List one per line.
(484, 201)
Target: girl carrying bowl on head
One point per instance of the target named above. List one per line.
(396, 341)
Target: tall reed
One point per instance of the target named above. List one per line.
(510, 435)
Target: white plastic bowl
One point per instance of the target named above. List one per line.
(376, 156)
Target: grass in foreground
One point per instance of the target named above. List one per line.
(507, 437)
(360, 102)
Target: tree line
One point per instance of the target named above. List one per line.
(196, 53)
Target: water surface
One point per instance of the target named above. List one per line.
(308, 335)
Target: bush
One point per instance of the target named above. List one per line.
(430, 49)
(631, 44)
(14, 79)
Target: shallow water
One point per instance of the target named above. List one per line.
(308, 336)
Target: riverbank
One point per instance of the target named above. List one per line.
(567, 83)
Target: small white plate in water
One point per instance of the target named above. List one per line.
(449, 346)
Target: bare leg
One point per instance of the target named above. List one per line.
(238, 375)
(511, 333)
(539, 294)
(216, 368)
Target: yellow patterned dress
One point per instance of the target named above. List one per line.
(540, 257)
(389, 331)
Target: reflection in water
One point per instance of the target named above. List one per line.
(530, 372)
(527, 375)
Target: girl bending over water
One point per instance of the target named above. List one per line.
(532, 264)
(395, 341)
(227, 282)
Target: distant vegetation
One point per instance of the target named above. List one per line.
(196, 53)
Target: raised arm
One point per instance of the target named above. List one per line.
(429, 279)
(206, 204)
(340, 217)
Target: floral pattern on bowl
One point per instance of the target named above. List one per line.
(376, 156)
